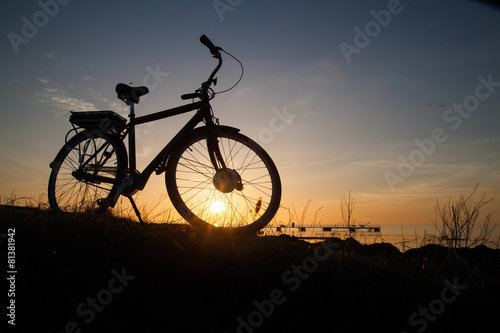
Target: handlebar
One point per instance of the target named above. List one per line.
(190, 96)
(202, 93)
(208, 43)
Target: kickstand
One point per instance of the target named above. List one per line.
(135, 209)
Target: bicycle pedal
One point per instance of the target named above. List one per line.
(103, 202)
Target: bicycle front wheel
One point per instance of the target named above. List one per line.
(243, 198)
(86, 172)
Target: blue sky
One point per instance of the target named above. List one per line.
(345, 123)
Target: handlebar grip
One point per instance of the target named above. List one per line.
(208, 43)
(190, 96)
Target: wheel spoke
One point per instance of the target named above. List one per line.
(191, 174)
(97, 163)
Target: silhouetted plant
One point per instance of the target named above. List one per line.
(27, 202)
(346, 209)
(12, 199)
(458, 220)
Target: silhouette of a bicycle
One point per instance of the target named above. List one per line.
(216, 177)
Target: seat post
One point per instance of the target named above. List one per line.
(131, 138)
(132, 108)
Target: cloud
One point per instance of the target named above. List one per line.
(73, 104)
(44, 81)
(304, 164)
(49, 55)
(62, 98)
(119, 107)
(62, 102)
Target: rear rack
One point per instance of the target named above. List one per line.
(105, 121)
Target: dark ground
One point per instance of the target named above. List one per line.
(105, 274)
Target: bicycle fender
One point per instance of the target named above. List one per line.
(229, 128)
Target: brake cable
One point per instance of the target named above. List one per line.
(241, 76)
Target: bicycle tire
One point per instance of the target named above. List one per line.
(69, 194)
(192, 187)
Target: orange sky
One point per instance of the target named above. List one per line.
(410, 114)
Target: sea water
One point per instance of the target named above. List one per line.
(404, 237)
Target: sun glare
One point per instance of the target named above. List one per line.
(217, 206)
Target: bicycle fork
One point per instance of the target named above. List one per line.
(225, 179)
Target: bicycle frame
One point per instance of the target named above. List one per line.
(158, 163)
(203, 114)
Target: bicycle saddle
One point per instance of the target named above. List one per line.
(130, 94)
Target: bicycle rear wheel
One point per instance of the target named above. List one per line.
(241, 199)
(86, 172)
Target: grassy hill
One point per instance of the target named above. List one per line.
(106, 274)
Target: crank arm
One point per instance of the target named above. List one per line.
(125, 182)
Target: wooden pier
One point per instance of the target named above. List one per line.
(320, 231)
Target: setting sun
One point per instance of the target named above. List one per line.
(217, 206)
